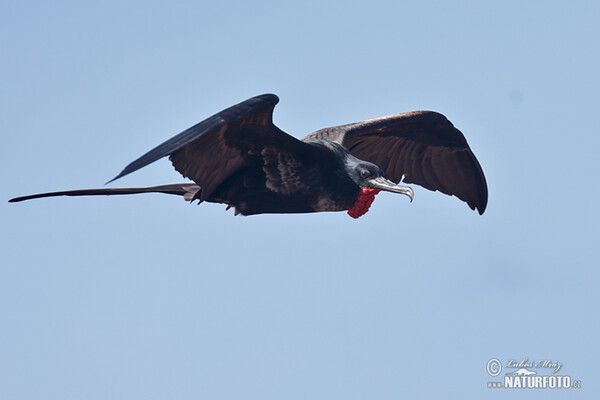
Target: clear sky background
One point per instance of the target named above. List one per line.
(149, 297)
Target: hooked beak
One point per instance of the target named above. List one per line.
(383, 184)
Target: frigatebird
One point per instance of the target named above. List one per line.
(240, 158)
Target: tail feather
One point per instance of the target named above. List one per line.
(187, 190)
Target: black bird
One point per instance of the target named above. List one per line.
(240, 158)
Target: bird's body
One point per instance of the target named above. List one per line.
(240, 158)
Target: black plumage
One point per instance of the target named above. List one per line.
(240, 158)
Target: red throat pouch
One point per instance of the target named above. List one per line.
(363, 202)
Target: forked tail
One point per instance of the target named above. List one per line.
(187, 190)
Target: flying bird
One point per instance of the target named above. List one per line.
(240, 158)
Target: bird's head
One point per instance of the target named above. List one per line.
(369, 176)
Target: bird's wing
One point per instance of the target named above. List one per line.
(214, 149)
(420, 147)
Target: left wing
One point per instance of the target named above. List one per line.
(242, 137)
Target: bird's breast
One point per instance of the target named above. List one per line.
(327, 203)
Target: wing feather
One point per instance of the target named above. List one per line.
(242, 137)
(420, 147)
(259, 107)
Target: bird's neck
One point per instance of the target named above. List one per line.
(363, 202)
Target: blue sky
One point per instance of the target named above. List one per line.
(148, 297)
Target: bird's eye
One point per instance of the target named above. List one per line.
(365, 174)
